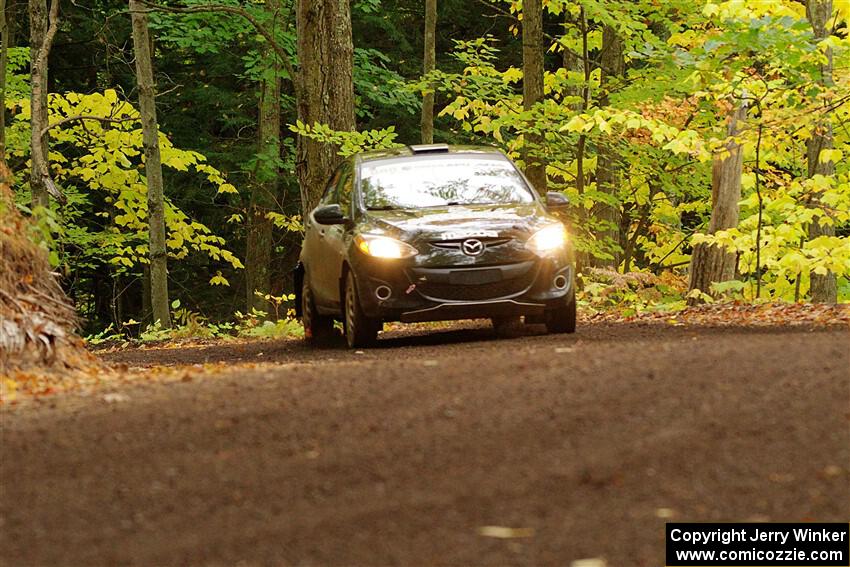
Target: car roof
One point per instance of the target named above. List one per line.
(415, 151)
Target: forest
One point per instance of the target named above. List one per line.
(163, 153)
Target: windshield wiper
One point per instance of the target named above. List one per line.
(382, 208)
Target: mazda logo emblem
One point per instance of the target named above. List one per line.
(472, 247)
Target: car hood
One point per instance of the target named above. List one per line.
(461, 221)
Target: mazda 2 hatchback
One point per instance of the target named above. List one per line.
(431, 233)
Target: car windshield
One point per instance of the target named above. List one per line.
(440, 182)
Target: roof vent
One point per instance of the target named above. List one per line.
(429, 149)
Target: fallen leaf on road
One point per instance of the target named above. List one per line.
(735, 313)
(114, 398)
(592, 562)
(665, 513)
(502, 532)
(832, 471)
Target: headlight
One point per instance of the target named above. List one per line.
(549, 239)
(384, 247)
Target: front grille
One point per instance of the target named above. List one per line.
(503, 288)
(455, 244)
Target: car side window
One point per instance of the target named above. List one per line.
(344, 189)
(330, 195)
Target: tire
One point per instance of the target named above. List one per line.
(360, 330)
(318, 329)
(562, 319)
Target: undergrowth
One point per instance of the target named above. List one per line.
(189, 325)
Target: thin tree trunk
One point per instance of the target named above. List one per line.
(429, 63)
(153, 165)
(326, 89)
(613, 66)
(824, 288)
(41, 40)
(258, 256)
(571, 63)
(581, 147)
(4, 55)
(710, 264)
(630, 244)
(532, 88)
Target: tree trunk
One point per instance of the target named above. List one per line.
(581, 146)
(572, 63)
(326, 56)
(146, 296)
(429, 63)
(153, 165)
(40, 43)
(607, 168)
(532, 88)
(823, 287)
(711, 264)
(4, 54)
(258, 256)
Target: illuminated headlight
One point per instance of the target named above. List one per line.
(384, 247)
(549, 239)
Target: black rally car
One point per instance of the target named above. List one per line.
(431, 233)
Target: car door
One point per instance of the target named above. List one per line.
(316, 251)
(335, 239)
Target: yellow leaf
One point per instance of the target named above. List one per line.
(827, 156)
(512, 75)
(502, 532)
(575, 124)
(219, 279)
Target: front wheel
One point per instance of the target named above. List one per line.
(318, 329)
(360, 330)
(562, 319)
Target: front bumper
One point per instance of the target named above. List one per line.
(395, 291)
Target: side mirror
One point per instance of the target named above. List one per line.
(555, 200)
(329, 214)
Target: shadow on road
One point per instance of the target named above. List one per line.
(417, 339)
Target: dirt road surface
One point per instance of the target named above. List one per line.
(584, 445)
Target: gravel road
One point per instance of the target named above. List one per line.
(583, 445)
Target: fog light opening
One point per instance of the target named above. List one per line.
(383, 292)
(560, 281)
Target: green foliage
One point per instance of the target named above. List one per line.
(96, 162)
(377, 86)
(349, 143)
(192, 326)
(787, 254)
(630, 293)
(258, 327)
(17, 81)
